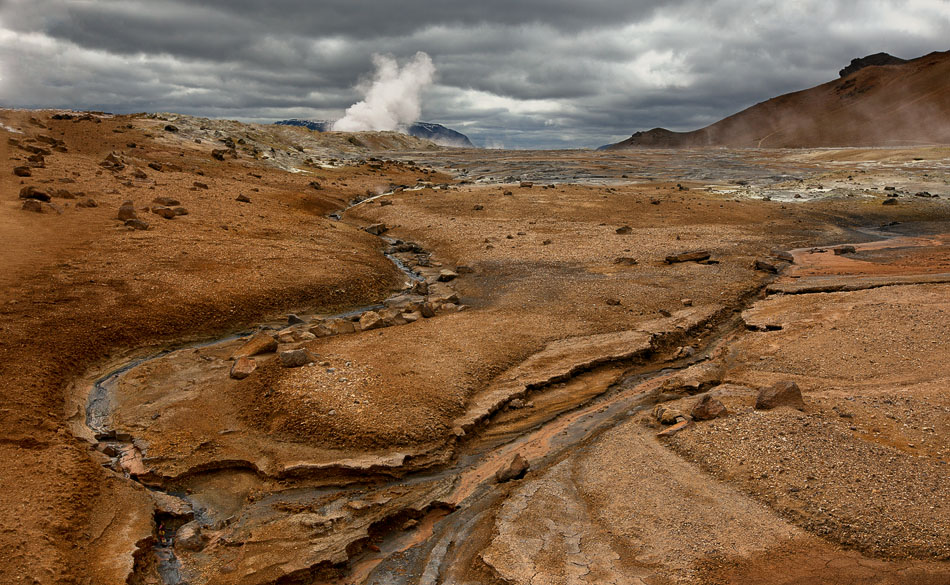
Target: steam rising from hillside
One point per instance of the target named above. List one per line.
(393, 100)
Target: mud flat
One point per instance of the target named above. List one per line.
(493, 366)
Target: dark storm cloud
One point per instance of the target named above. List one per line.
(518, 74)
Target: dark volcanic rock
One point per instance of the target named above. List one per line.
(877, 59)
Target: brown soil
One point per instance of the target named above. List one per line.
(315, 473)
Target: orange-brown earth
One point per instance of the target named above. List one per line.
(905, 103)
(563, 332)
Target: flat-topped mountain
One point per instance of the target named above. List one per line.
(879, 100)
(435, 132)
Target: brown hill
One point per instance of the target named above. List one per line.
(871, 105)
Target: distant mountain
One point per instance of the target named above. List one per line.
(435, 132)
(879, 100)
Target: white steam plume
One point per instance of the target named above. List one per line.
(393, 99)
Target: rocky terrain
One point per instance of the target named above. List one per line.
(245, 354)
(879, 100)
(427, 130)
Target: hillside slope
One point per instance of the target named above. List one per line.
(906, 103)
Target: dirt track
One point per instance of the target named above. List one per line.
(345, 467)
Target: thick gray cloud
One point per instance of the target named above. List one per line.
(531, 73)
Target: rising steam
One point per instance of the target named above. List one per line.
(393, 100)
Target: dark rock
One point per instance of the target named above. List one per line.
(166, 201)
(165, 212)
(697, 256)
(516, 469)
(613, 302)
(243, 367)
(315, 185)
(22, 171)
(37, 206)
(844, 250)
(200, 185)
(87, 202)
(294, 320)
(170, 128)
(785, 393)
(156, 166)
(708, 408)
(889, 202)
(526, 184)
(243, 198)
(385, 202)
(782, 255)
(623, 230)
(139, 174)
(126, 212)
(30, 192)
(180, 210)
(478, 207)
(295, 358)
(218, 154)
(446, 275)
(877, 59)
(137, 224)
(918, 194)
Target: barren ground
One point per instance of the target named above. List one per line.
(556, 327)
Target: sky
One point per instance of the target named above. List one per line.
(508, 73)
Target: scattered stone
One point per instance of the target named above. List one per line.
(166, 201)
(243, 198)
(189, 537)
(218, 154)
(478, 207)
(126, 212)
(696, 256)
(37, 206)
(293, 319)
(708, 408)
(923, 194)
(295, 358)
(526, 184)
(155, 166)
(137, 224)
(180, 210)
(164, 212)
(625, 261)
(508, 193)
(87, 202)
(782, 255)
(316, 186)
(34, 193)
(613, 302)
(200, 185)
(446, 275)
(170, 128)
(22, 171)
(260, 342)
(623, 230)
(139, 174)
(371, 320)
(428, 309)
(889, 202)
(844, 250)
(515, 470)
(667, 415)
(376, 229)
(785, 393)
(243, 367)
(764, 266)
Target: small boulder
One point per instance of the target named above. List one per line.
(525, 184)
(446, 275)
(339, 326)
(243, 198)
(87, 202)
(126, 212)
(189, 537)
(668, 415)
(377, 229)
(889, 202)
(36, 206)
(137, 224)
(695, 256)
(139, 174)
(295, 358)
(623, 230)
(243, 367)
(785, 393)
(516, 469)
(260, 342)
(845, 250)
(293, 319)
(371, 320)
(180, 210)
(708, 408)
(765, 266)
(165, 212)
(22, 171)
(170, 128)
(166, 201)
(155, 166)
(34, 193)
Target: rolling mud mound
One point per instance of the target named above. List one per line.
(873, 105)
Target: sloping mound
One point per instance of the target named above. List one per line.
(871, 105)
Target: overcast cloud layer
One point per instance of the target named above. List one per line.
(530, 73)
